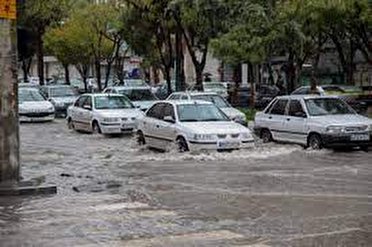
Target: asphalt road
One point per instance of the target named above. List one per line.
(113, 193)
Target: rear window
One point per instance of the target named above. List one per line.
(279, 107)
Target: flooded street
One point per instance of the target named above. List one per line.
(113, 193)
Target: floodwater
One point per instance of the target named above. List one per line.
(113, 193)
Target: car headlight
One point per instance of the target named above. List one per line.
(204, 137)
(239, 118)
(246, 135)
(110, 120)
(335, 129)
(50, 109)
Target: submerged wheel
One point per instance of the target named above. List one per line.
(95, 128)
(182, 145)
(315, 142)
(141, 138)
(266, 136)
(70, 124)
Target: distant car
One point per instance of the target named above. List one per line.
(141, 97)
(233, 113)
(61, 96)
(192, 125)
(28, 85)
(263, 96)
(313, 121)
(103, 113)
(213, 87)
(162, 90)
(350, 94)
(33, 107)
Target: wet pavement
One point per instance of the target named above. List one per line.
(113, 193)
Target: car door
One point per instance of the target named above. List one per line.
(76, 112)
(149, 125)
(87, 113)
(295, 123)
(276, 119)
(165, 127)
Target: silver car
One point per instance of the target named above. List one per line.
(61, 96)
(233, 113)
(313, 121)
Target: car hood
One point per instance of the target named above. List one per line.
(144, 104)
(35, 106)
(232, 112)
(349, 119)
(215, 127)
(122, 113)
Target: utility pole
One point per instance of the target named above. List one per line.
(9, 129)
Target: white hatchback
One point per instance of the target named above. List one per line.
(192, 125)
(103, 113)
(313, 121)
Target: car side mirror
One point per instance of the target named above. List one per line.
(169, 119)
(87, 107)
(300, 114)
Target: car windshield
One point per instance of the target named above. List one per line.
(62, 92)
(112, 102)
(29, 95)
(215, 99)
(322, 107)
(200, 113)
(138, 94)
(214, 86)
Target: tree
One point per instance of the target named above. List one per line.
(199, 22)
(37, 17)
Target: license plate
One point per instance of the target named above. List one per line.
(360, 137)
(113, 130)
(227, 145)
(127, 126)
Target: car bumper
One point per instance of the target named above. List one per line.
(205, 146)
(345, 140)
(108, 129)
(33, 119)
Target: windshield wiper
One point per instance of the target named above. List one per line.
(190, 120)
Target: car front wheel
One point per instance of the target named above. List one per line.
(315, 142)
(266, 136)
(70, 124)
(141, 138)
(95, 128)
(182, 145)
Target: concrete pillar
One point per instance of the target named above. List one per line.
(245, 74)
(9, 128)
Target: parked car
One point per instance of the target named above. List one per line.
(61, 96)
(349, 94)
(33, 107)
(213, 87)
(141, 97)
(162, 90)
(313, 121)
(233, 113)
(28, 85)
(367, 95)
(263, 96)
(103, 113)
(192, 125)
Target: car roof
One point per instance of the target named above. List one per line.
(129, 87)
(28, 89)
(194, 93)
(186, 102)
(56, 86)
(102, 94)
(305, 96)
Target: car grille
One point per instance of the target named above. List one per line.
(222, 136)
(36, 114)
(126, 119)
(356, 128)
(235, 135)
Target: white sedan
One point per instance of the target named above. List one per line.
(103, 113)
(192, 125)
(33, 107)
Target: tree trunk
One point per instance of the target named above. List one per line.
(108, 72)
(24, 70)
(40, 58)
(199, 77)
(168, 79)
(97, 65)
(290, 73)
(251, 79)
(9, 125)
(67, 74)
